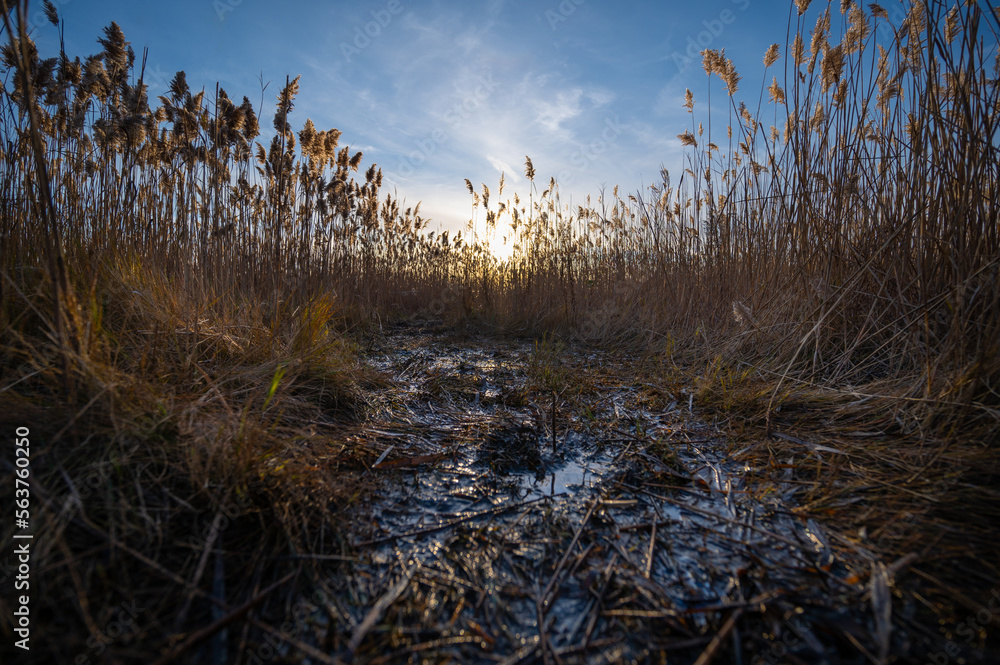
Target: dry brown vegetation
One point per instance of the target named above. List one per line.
(183, 306)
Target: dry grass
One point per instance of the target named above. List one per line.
(178, 328)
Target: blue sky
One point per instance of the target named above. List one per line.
(437, 91)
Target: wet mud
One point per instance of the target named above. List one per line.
(630, 537)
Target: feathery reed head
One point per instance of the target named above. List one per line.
(688, 139)
(774, 91)
(772, 55)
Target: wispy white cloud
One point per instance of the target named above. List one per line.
(504, 168)
(600, 97)
(413, 98)
(554, 109)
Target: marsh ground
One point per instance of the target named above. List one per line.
(646, 535)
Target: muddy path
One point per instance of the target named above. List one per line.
(633, 537)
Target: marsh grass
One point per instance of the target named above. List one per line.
(185, 323)
(546, 368)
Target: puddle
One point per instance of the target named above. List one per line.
(635, 533)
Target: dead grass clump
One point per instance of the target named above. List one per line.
(510, 449)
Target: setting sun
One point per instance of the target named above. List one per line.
(501, 247)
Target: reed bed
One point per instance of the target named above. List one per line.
(782, 244)
(185, 296)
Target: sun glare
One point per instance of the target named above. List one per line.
(500, 249)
